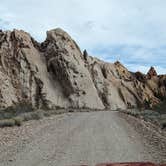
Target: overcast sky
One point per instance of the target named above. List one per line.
(131, 31)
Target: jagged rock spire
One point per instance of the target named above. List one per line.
(85, 54)
(151, 73)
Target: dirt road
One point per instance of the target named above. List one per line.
(75, 138)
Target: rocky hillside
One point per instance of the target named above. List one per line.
(56, 73)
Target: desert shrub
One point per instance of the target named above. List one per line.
(54, 112)
(161, 108)
(18, 120)
(26, 116)
(6, 113)
(163, 120)
(50, 112)
(23, 107)
(119, 109)
(15, 110)
(36, 115)
(150, 116)
(7, 123)
(47, 113)
(70, 110)
(163, 123)
(163, 117)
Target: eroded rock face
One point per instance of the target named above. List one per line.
(65, 62)
(16, 72)
(56, 73)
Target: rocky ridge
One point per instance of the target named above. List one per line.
(56, 73)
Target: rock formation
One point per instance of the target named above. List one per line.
(151, 73)
(56, 73)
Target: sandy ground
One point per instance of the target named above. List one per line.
(73, 139)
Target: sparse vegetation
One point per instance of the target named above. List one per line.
(18, 121)
(15, 111)
(36, 115)
(7, 123)
(156, 117)
(16, 115)
(161, 108)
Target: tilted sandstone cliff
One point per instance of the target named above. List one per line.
(56, 73)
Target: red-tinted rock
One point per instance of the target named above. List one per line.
(128, 164)
(151, 73)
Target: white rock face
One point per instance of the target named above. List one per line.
(66, 63)
(56, 73)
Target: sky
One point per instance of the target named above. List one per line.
(131, 31)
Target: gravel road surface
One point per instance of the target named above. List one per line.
(73, 139)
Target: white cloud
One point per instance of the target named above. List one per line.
(96, 23)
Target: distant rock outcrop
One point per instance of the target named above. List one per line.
(56, 73)
(151, 73)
